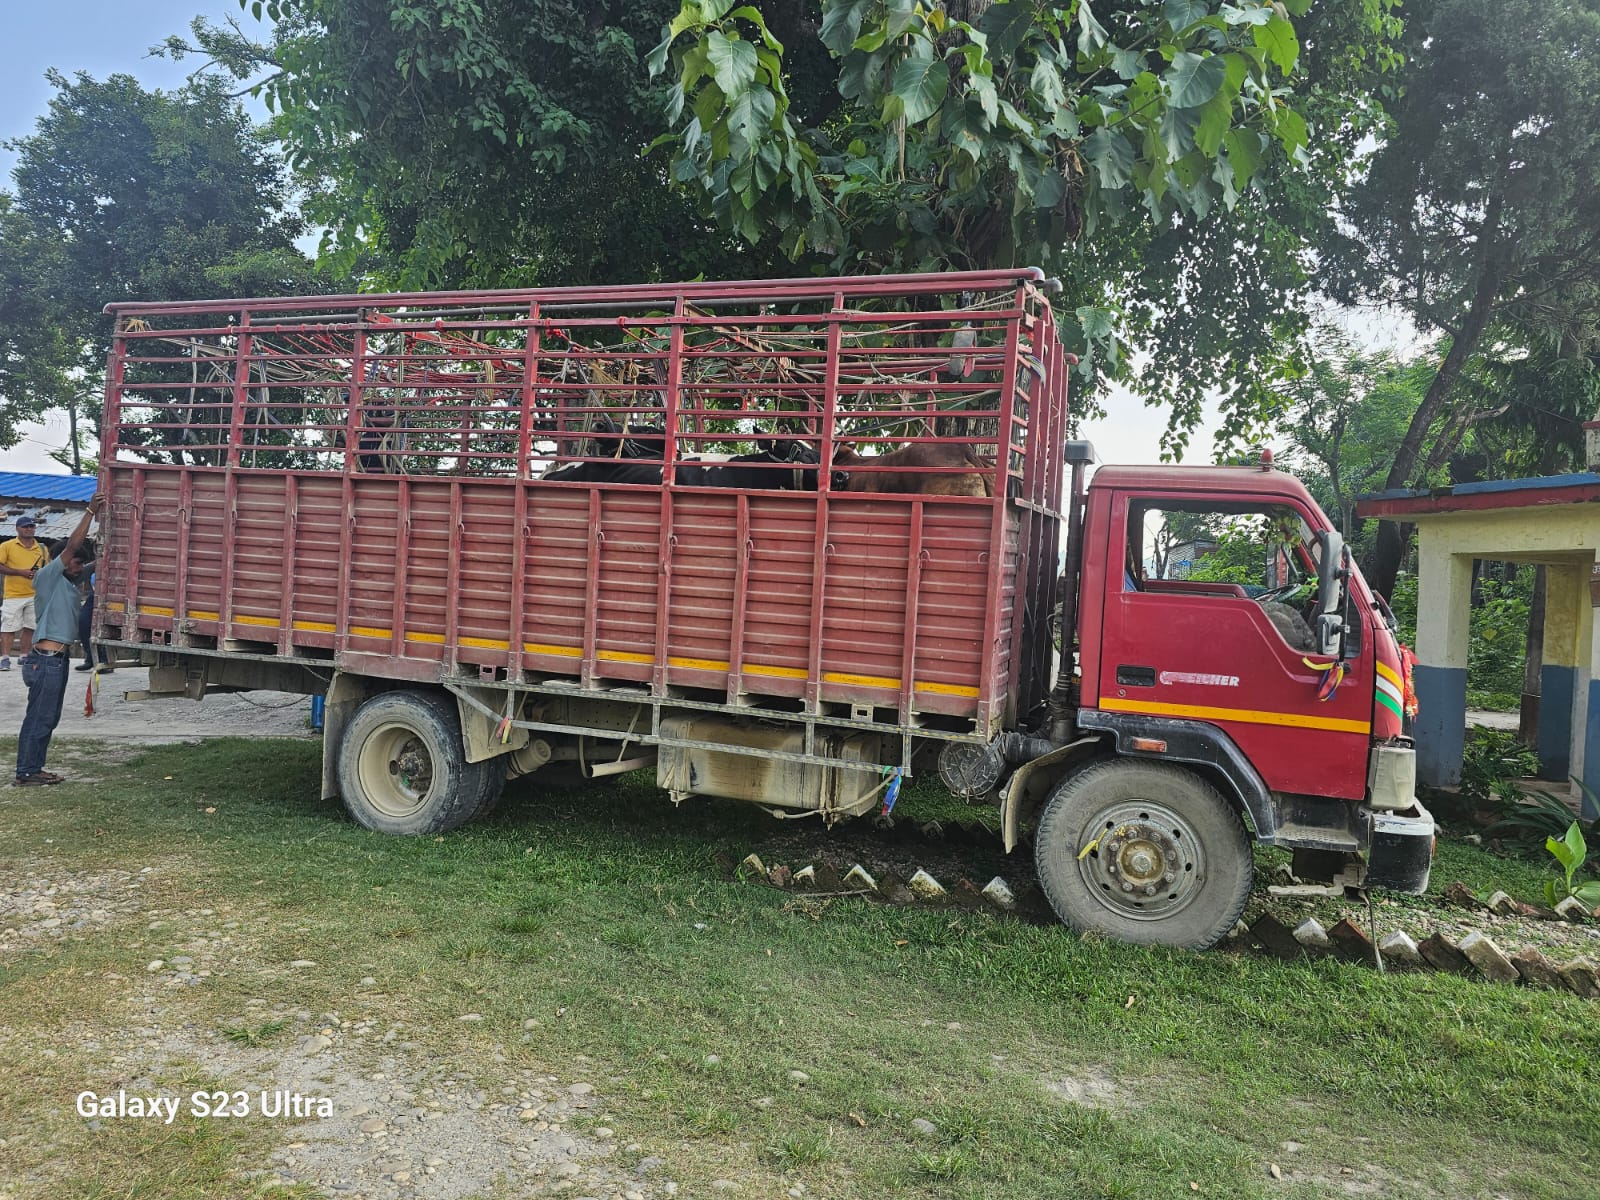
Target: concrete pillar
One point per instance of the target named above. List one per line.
(1444, 613)
(1566, 607)
(1586, 728)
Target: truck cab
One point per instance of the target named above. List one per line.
(1236, 678)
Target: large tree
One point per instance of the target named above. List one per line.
(1480, 208)
(1157, 156)
(1343, 410)
(127, 194)
(476, 143)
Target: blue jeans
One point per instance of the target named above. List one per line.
(45, 676)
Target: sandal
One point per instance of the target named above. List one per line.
(34, 781)
(49, 777)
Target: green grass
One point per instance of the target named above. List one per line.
(604, 915)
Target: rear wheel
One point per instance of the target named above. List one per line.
(402, 769)
(1144, 852)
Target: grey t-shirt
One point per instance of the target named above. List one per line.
(56, 603)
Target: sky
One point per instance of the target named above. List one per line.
(105, 37)
(102, 37)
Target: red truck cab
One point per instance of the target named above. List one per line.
(1233, 673)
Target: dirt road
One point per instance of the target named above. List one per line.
(253, 714)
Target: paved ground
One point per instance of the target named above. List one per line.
(1493, 720)
(251, 714)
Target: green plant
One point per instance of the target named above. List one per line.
(1570, 851)
(801, 1149)
(253, 1035)
(946, 1164)
(1529, 818)
(1492, 761)
(1499, 643)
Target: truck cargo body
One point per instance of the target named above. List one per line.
(259, 509)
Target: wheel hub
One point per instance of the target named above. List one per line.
(1142, 860)
(397, 770)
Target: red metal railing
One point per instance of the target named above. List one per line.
(376, 433)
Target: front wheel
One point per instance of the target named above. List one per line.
(402, 768)
(1144, 852)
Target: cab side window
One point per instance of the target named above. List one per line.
(1230, 554)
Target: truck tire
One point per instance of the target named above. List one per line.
(402, 769)
(1144, 852)
(492, 787)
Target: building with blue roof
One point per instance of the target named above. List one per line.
(54, 501)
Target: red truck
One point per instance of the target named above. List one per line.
(786, 541)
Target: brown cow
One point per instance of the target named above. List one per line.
(964, 473)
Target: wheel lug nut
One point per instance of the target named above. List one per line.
(1149, 889)
(1127, 887)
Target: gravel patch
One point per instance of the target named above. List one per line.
(41, 905)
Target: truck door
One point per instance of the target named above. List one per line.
(1212, 620)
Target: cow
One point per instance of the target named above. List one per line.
(960, 472)
(760, 470)
(640, 463)
(609, 470)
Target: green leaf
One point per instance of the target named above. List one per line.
(751, 114)
(1177, 131)
(1091, 34)
(686, 16)
(1562, 852)
(901, 14)
(733, 62)
(984, 90)
(1127, 63)
(1222, 176)
(964, 129)
(1244, 155)
(858, 76)
(1006, 26)
(841, 24)
(1277, 38)
(921, 84)
(1050, 190)
(1112, 157)
(657, 62)
(1096, 323)
(755, 18)
(871, 40)
(1045, 83)
(1255, 14)
(1193, 80)
(1291, 129)
(1181, 14)
(1576, 845)
(1215, 118)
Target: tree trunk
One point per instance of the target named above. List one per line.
(1394, 538)
(72, 437)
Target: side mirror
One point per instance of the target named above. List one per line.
(1331, 575)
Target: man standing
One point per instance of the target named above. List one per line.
(19, 559)
(44, 670)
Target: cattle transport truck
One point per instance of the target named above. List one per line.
(783, 541)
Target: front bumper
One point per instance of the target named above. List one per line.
(1401, 852)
